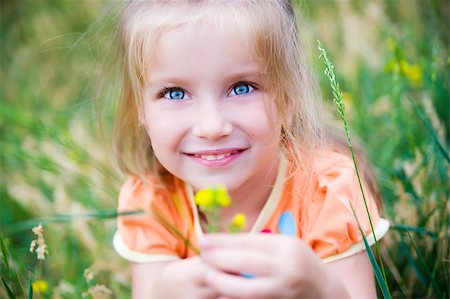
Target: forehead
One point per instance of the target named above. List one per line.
(201, 45)
(197, 21)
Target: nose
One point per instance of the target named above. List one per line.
(211, 121)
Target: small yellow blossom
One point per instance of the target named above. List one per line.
(221, 197)
(40, 286)
(212, 200)
(39, 245)
(412, 72)
(238, 223)
(209, 198)
(204, 199)
(239, 220)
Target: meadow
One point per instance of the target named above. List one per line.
(59, 84)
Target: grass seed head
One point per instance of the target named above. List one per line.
(38, 245)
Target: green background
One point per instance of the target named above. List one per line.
(60, 82)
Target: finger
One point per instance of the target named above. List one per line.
(233, 260)
(238, 287)
(205, 293)
(266, 242)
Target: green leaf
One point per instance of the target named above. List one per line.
(30, 287)
(430, 278)
(379, 276)
(415, 229)
(62, 218)
(432, 131)
(4, 252)
(8, 289)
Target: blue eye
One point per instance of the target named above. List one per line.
(241, 89)
(174, 94)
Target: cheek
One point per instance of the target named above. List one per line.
(164, 128)
(261, 121)
(153, 122)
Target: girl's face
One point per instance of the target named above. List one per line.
(207, 111)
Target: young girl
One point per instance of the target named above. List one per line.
(217, 92)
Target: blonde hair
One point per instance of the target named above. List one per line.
(271, 24)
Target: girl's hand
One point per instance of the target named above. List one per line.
(178, 279)
(281, 266)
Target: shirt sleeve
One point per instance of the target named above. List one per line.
(331, 226)
(143, 237)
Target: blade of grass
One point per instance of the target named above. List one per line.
(5, 268)
(394, 269)
(412, 263)
(431, 130)
(30, 286)
(382, 282)
(6, 256)
(429, 276)
(337, 98)
(8, 289)
(441, 246)
(5, 253)
(102, 214)
(175, 231)
(409, 187)
(415, 229)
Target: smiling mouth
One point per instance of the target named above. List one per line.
(215, 155)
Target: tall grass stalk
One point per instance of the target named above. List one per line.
(338, 99)
(7, 272)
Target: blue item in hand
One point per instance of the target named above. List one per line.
(286, 224)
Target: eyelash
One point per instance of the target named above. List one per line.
(169, 89)
(165, 90)
(254, 86)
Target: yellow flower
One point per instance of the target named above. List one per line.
(216, 196)
(239, 220)
(238, 223)
(40, 286)
(221, 196)
(412, 72)
(204, 199)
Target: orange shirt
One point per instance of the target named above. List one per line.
(316, 208)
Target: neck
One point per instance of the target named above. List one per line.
(251, 197)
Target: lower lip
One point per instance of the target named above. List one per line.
(216, 163)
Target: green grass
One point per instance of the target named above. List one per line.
(392, 61)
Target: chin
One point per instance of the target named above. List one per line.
(230, 183)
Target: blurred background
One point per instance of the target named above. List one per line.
(59, 84)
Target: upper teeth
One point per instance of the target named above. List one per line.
(214, 157)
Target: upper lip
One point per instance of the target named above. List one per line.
(220, 151)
